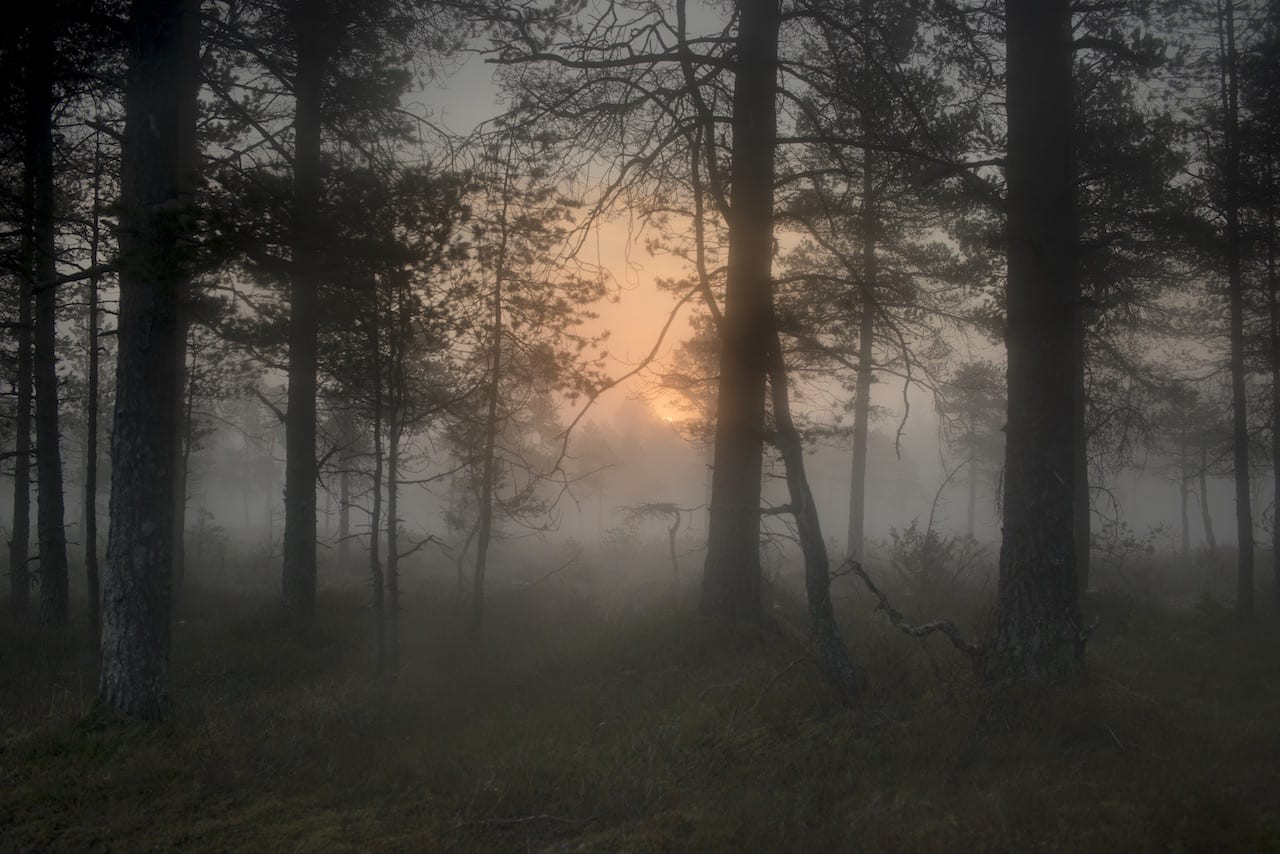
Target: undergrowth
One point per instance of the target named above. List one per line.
(568, 728)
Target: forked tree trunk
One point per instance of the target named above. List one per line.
(50, 522)
(1235, 290)
(1039, 634)
(731, 577)
(299, 583)
(156, 176)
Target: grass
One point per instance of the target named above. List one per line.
(569, 727)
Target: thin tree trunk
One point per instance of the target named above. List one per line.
(488, 470)
(1235, 289)
(833, 657)
(186, 413)
(866, 333)
(1039, 633)
(1184, 490)
(971, 512)
(299, 583)
(731, 577)
(93, 586)
(1210, 541)
(1082, 512)
(50, 522)
(484, 527)
(395, 434)
(156, 176)
(375, 517)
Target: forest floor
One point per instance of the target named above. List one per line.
(569, 727)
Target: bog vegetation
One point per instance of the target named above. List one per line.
(362, 499)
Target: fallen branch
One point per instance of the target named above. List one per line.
(900, 623)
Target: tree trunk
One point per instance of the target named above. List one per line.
(484, 526)
(299, 583)
(833, 657)
(971, 511)
(1184, 491)
(50, 522)
(186, 427)
(731, 578)
(1273, 307)
(1082, 512)
(20, 539)
(866, 332)
(1235, 289)
(375, 517)
(1210, 541)
(1039, 634)
(93, 586)
(156, 176)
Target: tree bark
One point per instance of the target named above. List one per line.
(50, 521)
(1082, 512)
(156, 177)
(20, 539)
(299, 582)
(1273, 308)
(93, 584)
(833, 657)
(866, 332)
(731, 577)
(1039, 634)
(1235, 290)
(186, 427)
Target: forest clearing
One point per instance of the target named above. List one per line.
(621, 721)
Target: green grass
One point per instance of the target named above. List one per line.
(570, 729)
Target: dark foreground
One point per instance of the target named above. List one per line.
(570, 728)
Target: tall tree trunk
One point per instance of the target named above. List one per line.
(1082, 509)
(50, 521)
(186, 427)
(971, 511)
(376, 575)
(1235, 289)
(488, 469)
(20, 540)
(395, 433)
(866, 333)
(93, 585)
(156, 176)
(1206, 519)
(299, 583)
(731, 577)
(1273, 307)
(1039, 634)
(484, 524)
